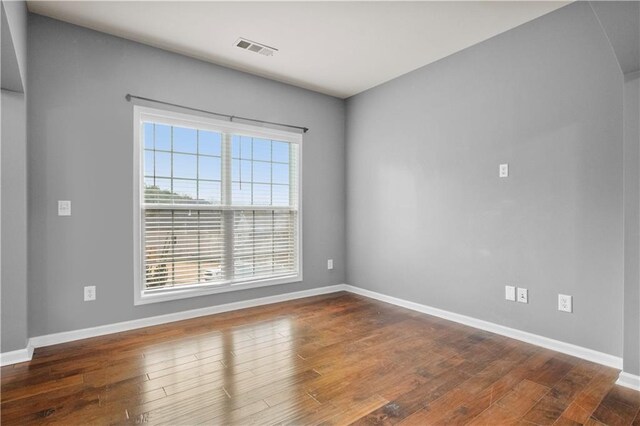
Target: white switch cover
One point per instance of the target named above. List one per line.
(330, 264)
(89, 293)
(510, 293)
(523, 295)
(64, 208)
(565, 303)
(504, 170)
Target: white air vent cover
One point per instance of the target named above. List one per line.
(252, 46)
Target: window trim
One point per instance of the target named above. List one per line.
(142, 296)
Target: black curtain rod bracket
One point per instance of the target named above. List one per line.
(129, 97)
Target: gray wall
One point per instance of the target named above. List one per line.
(80, 148)
(14, 222)
(428, 219)
(620, 21)
(631, 225)
(13, 167)
(14, 45)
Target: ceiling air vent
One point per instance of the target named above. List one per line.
(252, 46)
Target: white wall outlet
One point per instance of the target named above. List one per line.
(64, 208)
(503, 170)
(565, 303)
(89, 293)
(523, 295)
(329, 263)
(510, 293)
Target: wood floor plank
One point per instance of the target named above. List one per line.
(26, 391)
(510, 408)
(552, 405)
(348, 414)
(418, 398)
(286, 409)
(334, 360)
(444, 408)
(619, 407)
(588, 400)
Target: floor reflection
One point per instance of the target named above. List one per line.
(234, 372)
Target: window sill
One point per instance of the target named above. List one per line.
(144, 298)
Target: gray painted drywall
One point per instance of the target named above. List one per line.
(14, 222)
(9, 71)
(80, 149)
(13, 175)
(428, 219)
(14, 45)
(631, 225)
(621, 22)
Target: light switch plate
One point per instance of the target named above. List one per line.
(64, 208)
(330, 264)
(503, 170)
(510, 293)
(523, 295)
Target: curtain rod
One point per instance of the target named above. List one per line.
(129, 96)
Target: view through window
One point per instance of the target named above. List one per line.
(218, 204)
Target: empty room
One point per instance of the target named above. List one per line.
(320, 213)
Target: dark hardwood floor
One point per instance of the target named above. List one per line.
(334, 359)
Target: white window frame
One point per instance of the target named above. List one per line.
(140, 114)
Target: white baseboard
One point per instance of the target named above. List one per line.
(534, 339)
(630, 381)
(556, 345)
(14, 357)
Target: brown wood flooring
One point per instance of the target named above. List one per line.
(333, 359)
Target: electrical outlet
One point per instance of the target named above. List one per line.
(89, 293)
(565, 303)
(64, 208)
(329, 264)
(510, 293)
(523, 295)
(503, 170)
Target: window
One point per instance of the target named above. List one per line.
(216, 206)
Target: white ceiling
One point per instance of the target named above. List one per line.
(337, 48)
